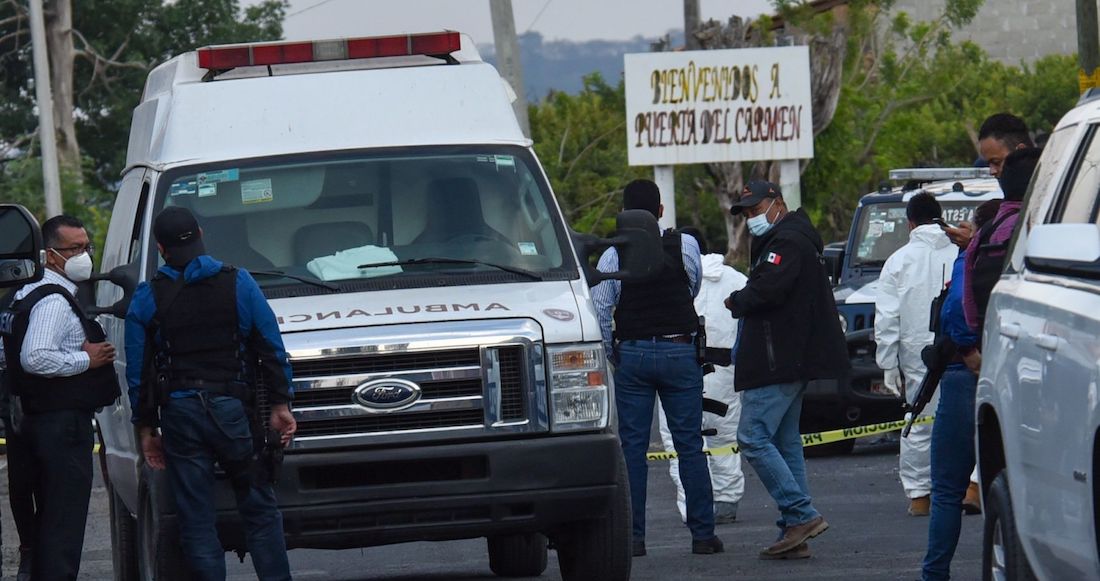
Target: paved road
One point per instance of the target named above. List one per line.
(871, 539)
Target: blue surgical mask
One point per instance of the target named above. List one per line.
(759, 225)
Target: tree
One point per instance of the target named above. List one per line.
(99, 56)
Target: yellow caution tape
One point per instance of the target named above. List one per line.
(812, 439)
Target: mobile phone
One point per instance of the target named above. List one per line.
(942, 224)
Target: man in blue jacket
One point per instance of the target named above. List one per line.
(198, 326)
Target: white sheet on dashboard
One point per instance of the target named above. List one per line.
(344, 264)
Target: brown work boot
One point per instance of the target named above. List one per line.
(972, 502)
(920, 506)
(798, 534)
(802, 551)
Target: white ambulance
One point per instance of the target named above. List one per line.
(448, 374)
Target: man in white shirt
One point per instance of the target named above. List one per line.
(59, 378)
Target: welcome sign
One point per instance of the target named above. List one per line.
(718, 105)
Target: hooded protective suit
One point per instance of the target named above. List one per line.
(727, 479)
(911, 278)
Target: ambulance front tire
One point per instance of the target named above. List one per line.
(124, 555)
(160, 557)
(600, 548)
(520, 555)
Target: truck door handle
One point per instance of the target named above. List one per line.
(1011, 330)
(1048, 342)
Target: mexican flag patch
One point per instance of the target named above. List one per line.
(774, 258)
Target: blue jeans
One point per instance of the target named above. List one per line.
(952, 463)
(771, 442)
(199, 430)
(648, 369)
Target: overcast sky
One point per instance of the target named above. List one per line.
(555, 19)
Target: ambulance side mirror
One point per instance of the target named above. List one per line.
(126, 278)
(637, 241)
(22, 254)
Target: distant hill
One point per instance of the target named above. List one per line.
(561, 64)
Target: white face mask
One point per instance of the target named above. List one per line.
(759, 225)
(77, 268)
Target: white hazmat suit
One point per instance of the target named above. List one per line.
(727, 479)
(911, 278)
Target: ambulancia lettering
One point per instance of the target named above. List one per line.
(390, 311)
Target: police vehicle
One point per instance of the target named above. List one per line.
(879, 228)
(449, 377)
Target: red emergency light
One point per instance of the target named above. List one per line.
(220, 58)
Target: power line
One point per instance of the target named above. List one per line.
(537, 16)
(308, 8)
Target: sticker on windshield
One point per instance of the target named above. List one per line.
(213, 177)
(207, 190)
(896, 212)
(875, 229)
(182, 188)
(888, 227)
(528, 248)
(505, 161)
(256, 191)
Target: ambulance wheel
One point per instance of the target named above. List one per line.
(522, 555)
(160, 557)
(124, 555)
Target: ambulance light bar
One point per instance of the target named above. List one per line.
(934, 174)
(230, 56)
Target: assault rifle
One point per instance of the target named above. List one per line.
(936, 358)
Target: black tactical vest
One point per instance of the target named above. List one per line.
(200, 344)
(92, 389)
(661, 305)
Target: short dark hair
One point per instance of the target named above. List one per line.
(923, 209)
(51, 229)
(985, 212)
(1006, 128)
(697, 235)
(642, 195)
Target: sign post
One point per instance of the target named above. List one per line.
(712, 106)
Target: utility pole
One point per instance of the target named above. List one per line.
(1088, 45)
(51, 176)
(691, 24)
(507, 48)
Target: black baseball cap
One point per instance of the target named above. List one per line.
(177, 230)
(753, 193)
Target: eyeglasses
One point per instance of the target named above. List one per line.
(74, 250)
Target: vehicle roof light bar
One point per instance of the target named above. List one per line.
(934, 174)
(225, 57)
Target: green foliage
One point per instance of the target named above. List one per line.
(118, 42)
(918, 101)
(581, 141)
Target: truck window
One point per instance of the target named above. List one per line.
(323, 218)
(883, 229)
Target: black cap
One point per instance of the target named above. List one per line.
(755, 192)
(176, 229)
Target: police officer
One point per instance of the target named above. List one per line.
(654, 355)
(60, 371)
(204, 323)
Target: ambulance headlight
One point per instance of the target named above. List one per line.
(579, 387)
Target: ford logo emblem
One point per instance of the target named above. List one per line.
(386, 394)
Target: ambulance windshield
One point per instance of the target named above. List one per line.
(323, 218)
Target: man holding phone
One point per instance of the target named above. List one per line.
(911, 278)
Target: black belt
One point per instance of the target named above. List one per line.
(663, 339)
(236, 389)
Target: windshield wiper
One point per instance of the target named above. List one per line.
(305, 279)
(441, 260)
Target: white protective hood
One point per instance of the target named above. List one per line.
(911, 278)
(719, 281)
